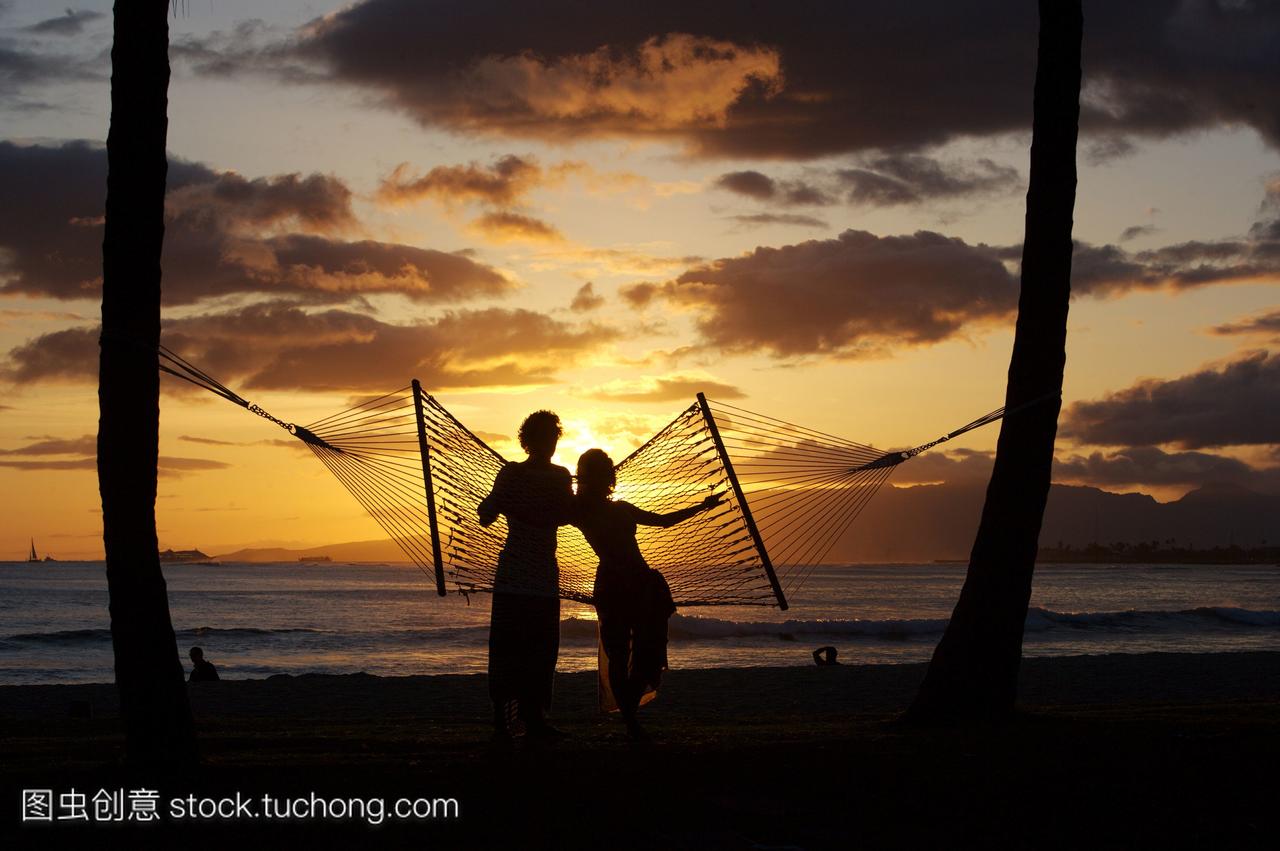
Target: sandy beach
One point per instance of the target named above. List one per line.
(1171, 750)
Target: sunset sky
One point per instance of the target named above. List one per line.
(811, 210)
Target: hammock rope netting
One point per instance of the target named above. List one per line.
(790, 493)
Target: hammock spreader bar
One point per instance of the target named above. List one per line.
(747, 519)
(437, 560)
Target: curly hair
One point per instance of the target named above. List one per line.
(596, 476)
(538, 428)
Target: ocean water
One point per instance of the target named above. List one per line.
(258, 620)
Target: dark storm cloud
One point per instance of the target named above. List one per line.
(67, 355)
(85, 445)
(880, 181)
(34, 457)
(208, 441)
(72, 22)
(176, 465)
(248, 46)
(1236, 405)
(752, 184)
(783, 79)
(1140, 466)
(911, 179)
(1104, 148)
(761, 187)
(50, 464)
(1267, 323)
(317, 202)
(224, 234)
(1109, 269)
(862, 294)
(879, 190)
(857, 293)
(1150, 465)
(1135, 231)
(171, 466)
(23, 69)
(279, 346)
(27, 65)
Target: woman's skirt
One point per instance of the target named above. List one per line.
(633, 617)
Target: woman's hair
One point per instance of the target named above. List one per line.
(596, 476)
(539, 429)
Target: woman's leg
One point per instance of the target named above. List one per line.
(615, 635)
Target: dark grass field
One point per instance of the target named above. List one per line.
(1159, 750)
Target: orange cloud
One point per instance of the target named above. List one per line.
(668, 388)
(504, 182)
(667, 83)
(505, 226)
(586, 299)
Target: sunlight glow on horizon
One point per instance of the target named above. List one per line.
(621, 210)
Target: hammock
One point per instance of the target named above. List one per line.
(790, 492)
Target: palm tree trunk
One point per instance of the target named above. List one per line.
(974, 671)
(149, 675)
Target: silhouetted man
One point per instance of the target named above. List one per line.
(535, 496)
(201, 671)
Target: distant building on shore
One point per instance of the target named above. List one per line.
(187, 556)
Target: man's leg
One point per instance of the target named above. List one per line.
(544, 644)
(502, 644)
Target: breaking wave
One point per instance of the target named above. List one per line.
(695, 628)
(700, 628)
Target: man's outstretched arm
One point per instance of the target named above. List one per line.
(491, 506)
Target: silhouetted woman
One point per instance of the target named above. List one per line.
(632, 600)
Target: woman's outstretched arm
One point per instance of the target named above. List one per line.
(671, 518)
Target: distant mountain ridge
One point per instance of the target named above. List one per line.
(384, 550)
(929, 522)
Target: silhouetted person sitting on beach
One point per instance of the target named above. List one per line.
(536, 496)
(825, 656)
(201, 671)
(633, 601)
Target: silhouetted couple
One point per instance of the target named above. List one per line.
(632, 600)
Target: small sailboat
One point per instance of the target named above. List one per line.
(33, 558)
